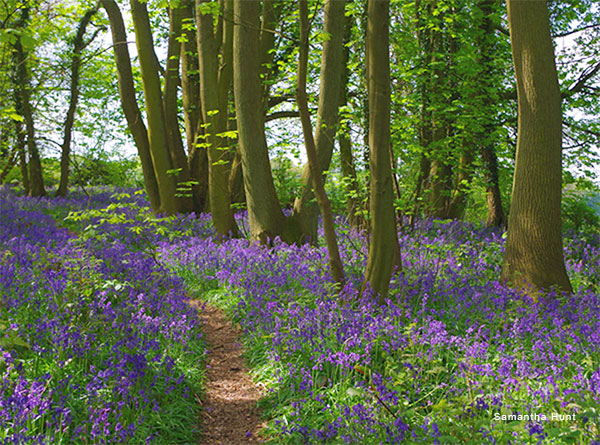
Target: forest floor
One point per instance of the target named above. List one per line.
(230, 415)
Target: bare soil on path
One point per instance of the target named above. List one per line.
(230, 415)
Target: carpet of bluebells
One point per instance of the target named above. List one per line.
(451, 352)
(99, 344)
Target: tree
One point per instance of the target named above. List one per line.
(264, 212)
(215, 50)
(383, 246)
(335, 262)
(79, 44)
(129, 104)
(23, 107)
(157, 131)
(534, 253)
(330, 89)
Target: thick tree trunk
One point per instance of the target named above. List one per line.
(78, 46)
(383, 247)
(306, 212)
(264, 212)
(215, 85)
(157, 132)
(179, 159)
(127, 93)
(534, 254)
(23, 108)
(335, 261)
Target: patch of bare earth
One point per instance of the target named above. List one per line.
(230, 415)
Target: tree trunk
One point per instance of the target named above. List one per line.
(457, 204)
(383, 246)
(236, 180)
(157, 132)
(23, 108)
(271, 12)
(11, 157)
(305, 212)
(179, 159)
(495, 216)
(335, 261)
(264, 212)
(192, 108)
(21, 147)
(215, 84)
(78, 45)
(353, 202)
(534, 254)
(127, 93)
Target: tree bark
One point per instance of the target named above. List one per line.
(264, 212)
(157, 132)
(215, 85)
(22, 148)
(383, 246)
(353, 203)
(127, 93)
(335, 261)
(533, 258)
(78, 45)
(495, 216)
(305, 212)
(23, 108)
(192, 108)
(179, 159)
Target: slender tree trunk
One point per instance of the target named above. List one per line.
(353, 203)
(534, 253)
(264, 212)
(22, 148)
(457, 204)
(426, 118)
(192, 108)
(383, 247)
(23, 108)
(335, 261)
(157, 132)
(215, 85)
(236, 180)
(271, 13)
(179, 159)
(11, 160)
(305, 212)
(78, 45)
(496, 216)
(127, 93)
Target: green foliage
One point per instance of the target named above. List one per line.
(581, 212)
(286, 176)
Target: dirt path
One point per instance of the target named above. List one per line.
(230, 415)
